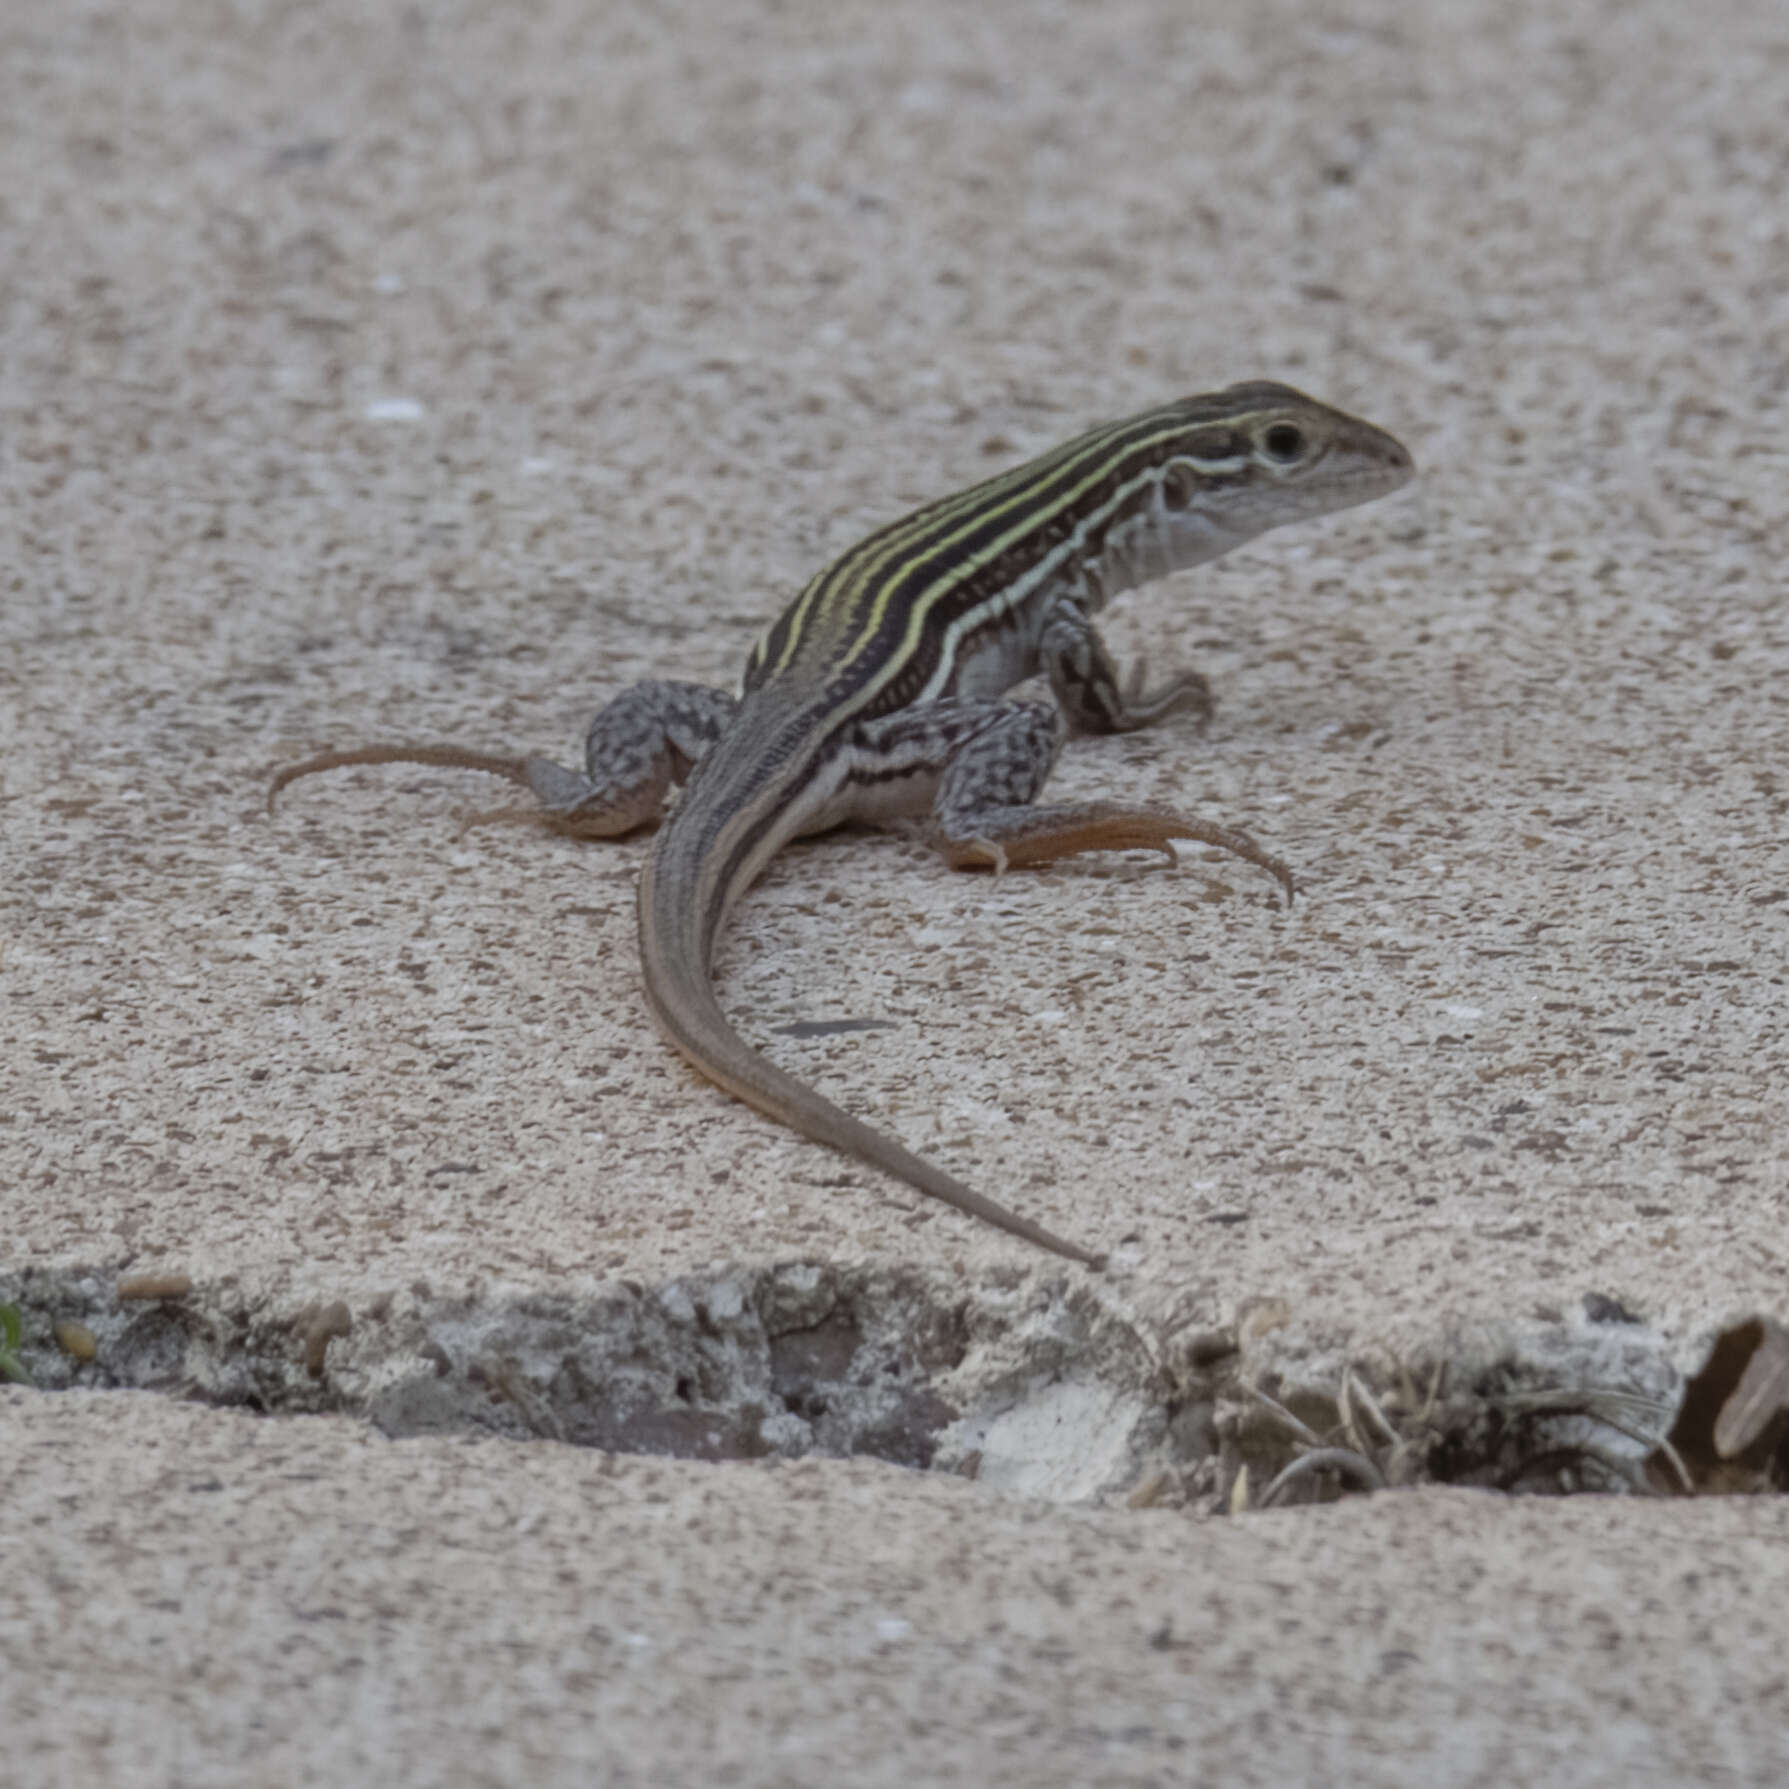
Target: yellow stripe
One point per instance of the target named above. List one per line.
(860, 586)
(875, 565)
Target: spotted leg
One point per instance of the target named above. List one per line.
(1086, 681)
(984, 763)
(641, 744)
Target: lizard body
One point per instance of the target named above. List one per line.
(880, 691)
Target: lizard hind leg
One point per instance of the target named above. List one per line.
(440, 757)
(637, 747)
(1011, 838)
(986, 819)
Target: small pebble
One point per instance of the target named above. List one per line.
(75, 1339)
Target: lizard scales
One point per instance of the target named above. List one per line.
(879, 691)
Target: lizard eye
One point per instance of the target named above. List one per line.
(1284, 442)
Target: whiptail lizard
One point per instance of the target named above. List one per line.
(878, 691)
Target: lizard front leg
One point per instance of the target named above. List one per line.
(986, 762)
(1085, 680)
(639, 745)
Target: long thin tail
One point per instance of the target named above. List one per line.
(676, 943)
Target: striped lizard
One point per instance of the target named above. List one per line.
(880, 691)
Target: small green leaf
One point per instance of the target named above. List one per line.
(12, 1328)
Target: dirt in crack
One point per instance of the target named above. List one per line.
(1025, 1379)
(1039, 1382)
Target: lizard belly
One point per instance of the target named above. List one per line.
(1002, 654)
(889, 798)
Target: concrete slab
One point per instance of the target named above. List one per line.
(430, 375)
(212, 1598)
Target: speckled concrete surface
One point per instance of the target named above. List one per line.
(429, 374)
(232, 1600)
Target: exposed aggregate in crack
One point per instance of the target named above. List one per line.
(1037, 1382)
(1027, 1380)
